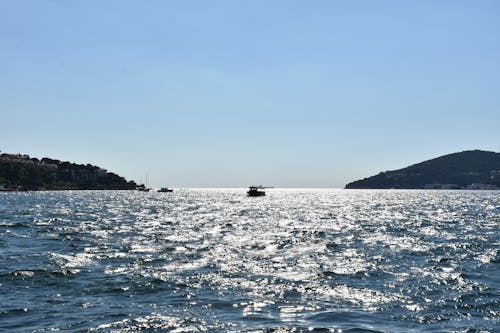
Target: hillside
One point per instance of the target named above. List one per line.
(473, 169)
(21, 172)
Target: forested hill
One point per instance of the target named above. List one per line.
(21, 172)
(473, 169)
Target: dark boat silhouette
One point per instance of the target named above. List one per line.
(254, 191)
(165, 189)
(142, 188)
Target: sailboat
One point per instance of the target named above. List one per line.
(142, 187)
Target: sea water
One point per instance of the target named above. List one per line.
(199, 260)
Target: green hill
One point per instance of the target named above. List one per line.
(21, 172)
(473, 169)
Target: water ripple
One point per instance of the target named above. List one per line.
(215, 260)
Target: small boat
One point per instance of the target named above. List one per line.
(142, 189)
(165, 189)
(254, 191)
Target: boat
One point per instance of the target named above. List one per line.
(254, 191)
(142, 188)
(165, 189)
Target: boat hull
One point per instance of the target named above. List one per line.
(256, 193)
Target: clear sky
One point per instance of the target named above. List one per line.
(234, 93)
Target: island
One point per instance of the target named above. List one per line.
(23, 173)
(472, 169)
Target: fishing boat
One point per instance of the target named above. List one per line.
(165, 189)
(253, 191)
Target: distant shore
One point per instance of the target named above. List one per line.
(467, 170)
(23, 173)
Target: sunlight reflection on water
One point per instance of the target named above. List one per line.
(213, 259)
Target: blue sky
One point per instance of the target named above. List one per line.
(233, 93)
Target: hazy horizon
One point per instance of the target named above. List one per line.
(225, 94)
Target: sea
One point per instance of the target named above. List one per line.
(215, 260)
